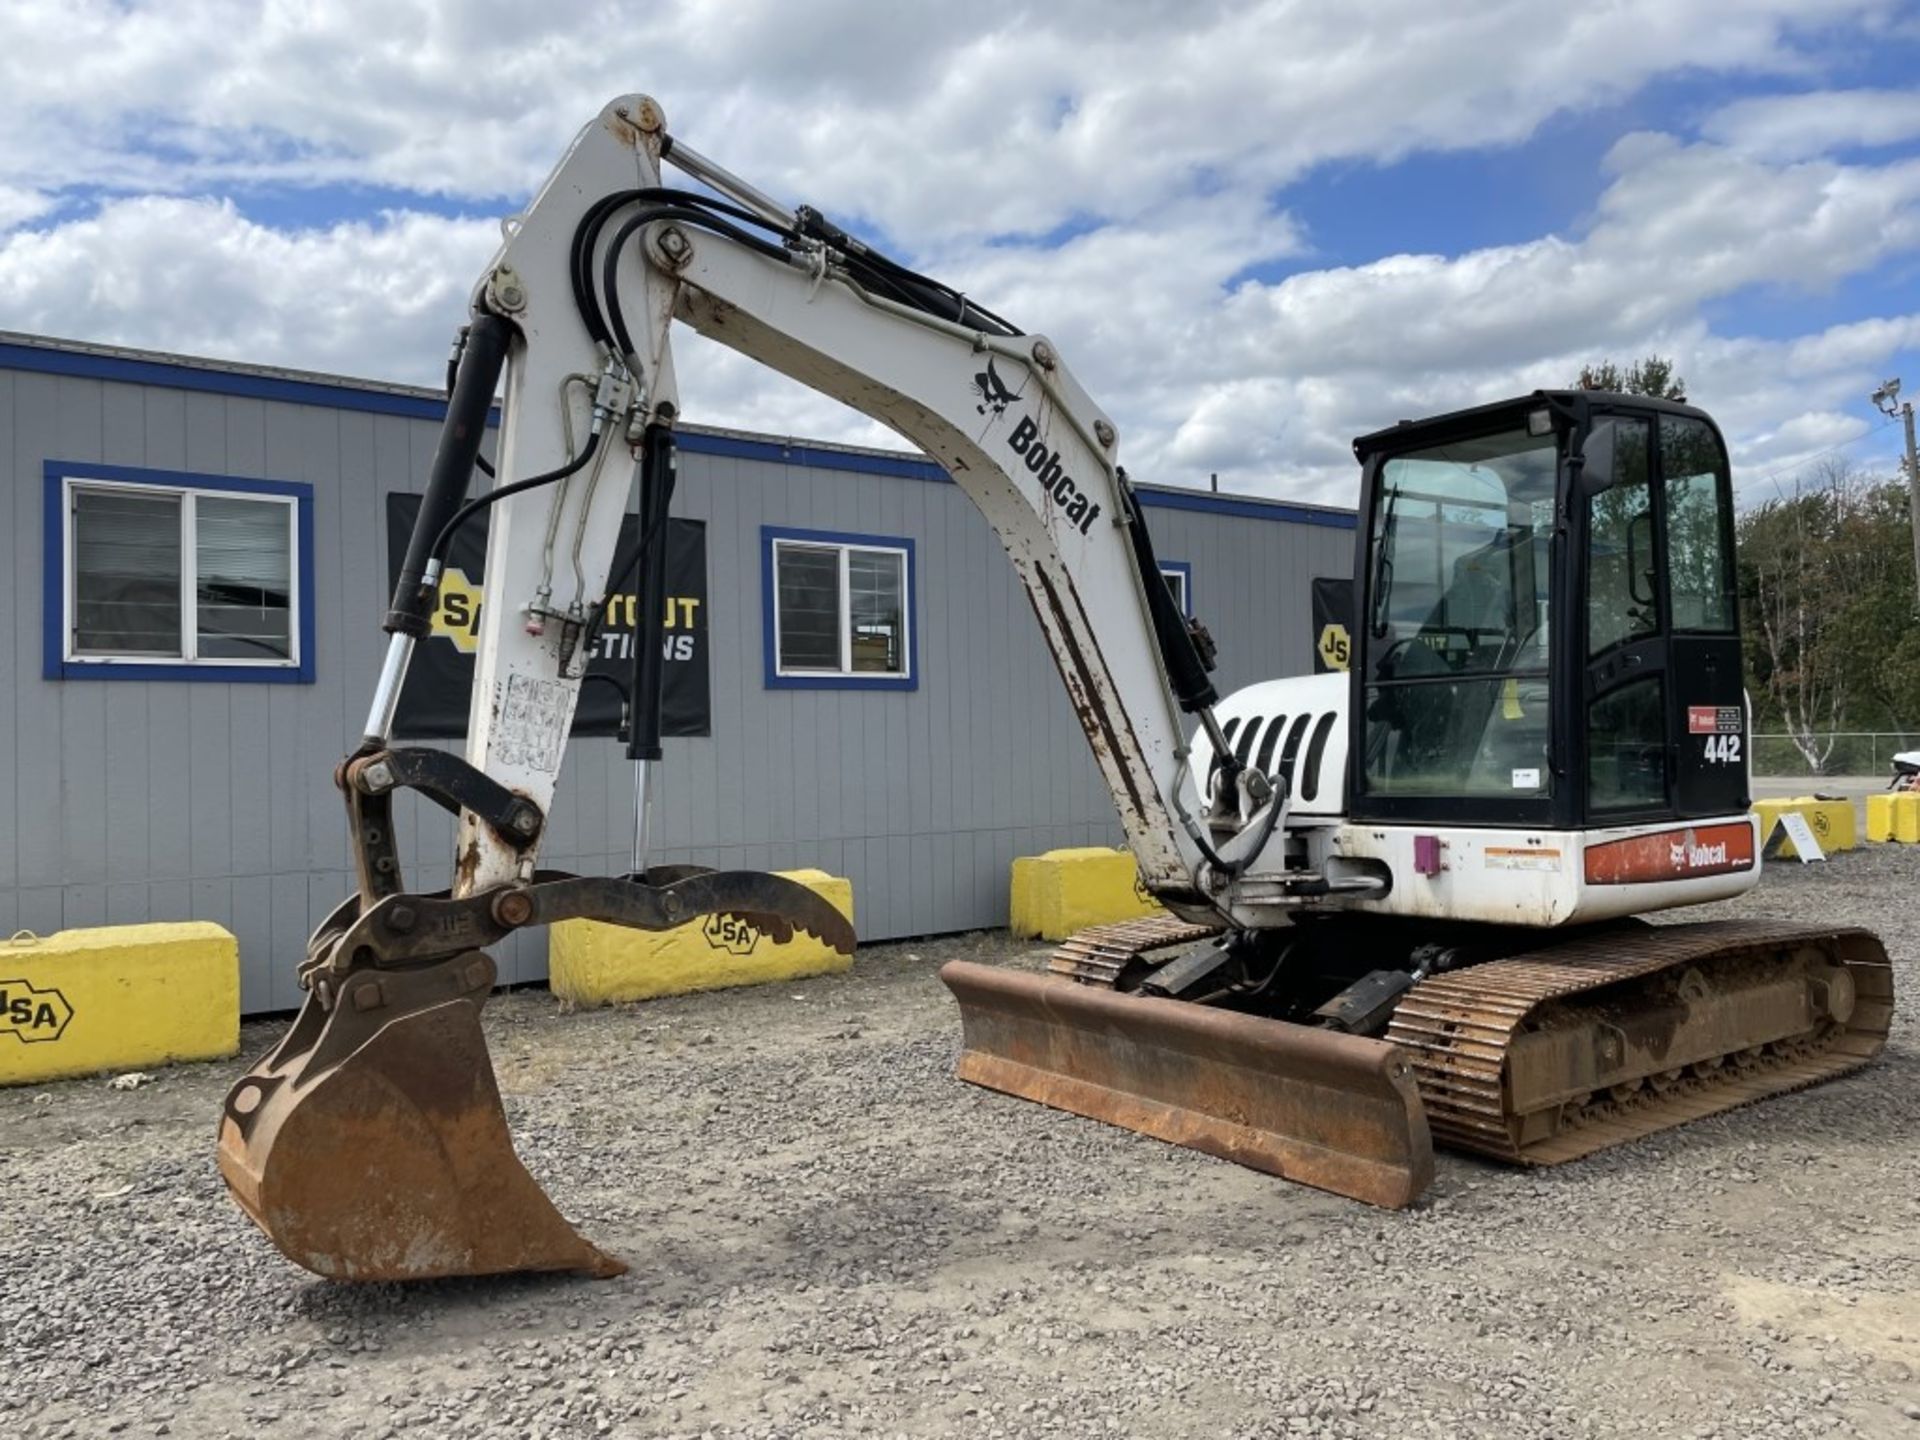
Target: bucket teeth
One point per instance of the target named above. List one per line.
(371, 1144)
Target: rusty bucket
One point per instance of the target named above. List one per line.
(370, 1144)
(1337, 1112)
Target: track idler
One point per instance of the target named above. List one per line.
(370, 1143)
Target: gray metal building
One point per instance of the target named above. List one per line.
(167, 792)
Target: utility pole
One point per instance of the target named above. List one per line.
(1887, 400)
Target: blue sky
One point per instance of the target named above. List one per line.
(1255, 229)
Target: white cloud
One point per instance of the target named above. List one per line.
(936, 120)
(18, 205)
(1163, 134)
(1793, 127)
(377, 298)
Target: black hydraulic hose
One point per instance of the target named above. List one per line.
(586, 236)
(609, 277)
(626, 705)
(480, 502)
(878, 271)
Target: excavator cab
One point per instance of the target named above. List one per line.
(1548, 628)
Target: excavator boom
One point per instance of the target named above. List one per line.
(371, 1143)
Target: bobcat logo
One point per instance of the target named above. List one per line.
(1677, 853)
(992, 391)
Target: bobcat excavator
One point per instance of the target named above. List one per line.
(1400, 900)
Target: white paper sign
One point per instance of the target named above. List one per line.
(1801, 833)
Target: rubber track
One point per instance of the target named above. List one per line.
(1098, 954)
(1456, 1029)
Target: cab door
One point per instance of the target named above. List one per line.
(1665, 721)
(1709, 720)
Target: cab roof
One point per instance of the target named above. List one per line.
(1569, 405)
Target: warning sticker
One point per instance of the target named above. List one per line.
(1522, 857)
(1714, 719)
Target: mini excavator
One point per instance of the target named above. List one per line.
(1402, 903)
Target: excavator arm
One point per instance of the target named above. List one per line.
(586, 286)
(371, 1142)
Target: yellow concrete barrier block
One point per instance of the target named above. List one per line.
(1894, 816)
(1063, 891)
(591, 963)
(1832, 822)
(115, 998)
(1879, 817)
(1906, 817)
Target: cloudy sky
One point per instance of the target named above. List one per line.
(1255, 230)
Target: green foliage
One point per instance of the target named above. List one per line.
(1827, 609)
(1652, 376)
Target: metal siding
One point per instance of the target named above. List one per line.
(170, 800)
(39, 812)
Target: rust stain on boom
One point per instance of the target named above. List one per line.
(1337, 1112)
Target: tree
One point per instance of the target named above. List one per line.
(1790, 581)
(1652, 376)
(1826, 597)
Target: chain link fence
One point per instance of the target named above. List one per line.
(1854, 752)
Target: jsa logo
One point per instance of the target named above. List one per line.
(733, 933)
(32, 1015)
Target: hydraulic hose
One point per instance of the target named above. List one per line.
(438, 554)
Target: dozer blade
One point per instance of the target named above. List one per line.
(370, 1144)
(1337, 1112)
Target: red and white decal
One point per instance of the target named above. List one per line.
(1713, 719)
(1681, 854)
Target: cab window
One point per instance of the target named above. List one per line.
(1457, 624)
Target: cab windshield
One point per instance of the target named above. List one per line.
(1456, 625)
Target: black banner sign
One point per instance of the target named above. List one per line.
(433, 705)
(1332, 624)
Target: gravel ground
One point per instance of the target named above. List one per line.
(831, 1237)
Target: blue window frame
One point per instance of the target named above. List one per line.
(1179, 577)
(837, 610)
(168, 575)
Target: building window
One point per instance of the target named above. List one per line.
(838, 610)
(157, 575)
(1179, 577)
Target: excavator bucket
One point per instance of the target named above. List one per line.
(370, 1144)
(1338, 1112)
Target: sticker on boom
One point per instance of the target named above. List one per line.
(31, 1015)
(1684, 854)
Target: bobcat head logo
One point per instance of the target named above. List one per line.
(1677, 853)
(992, 390)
